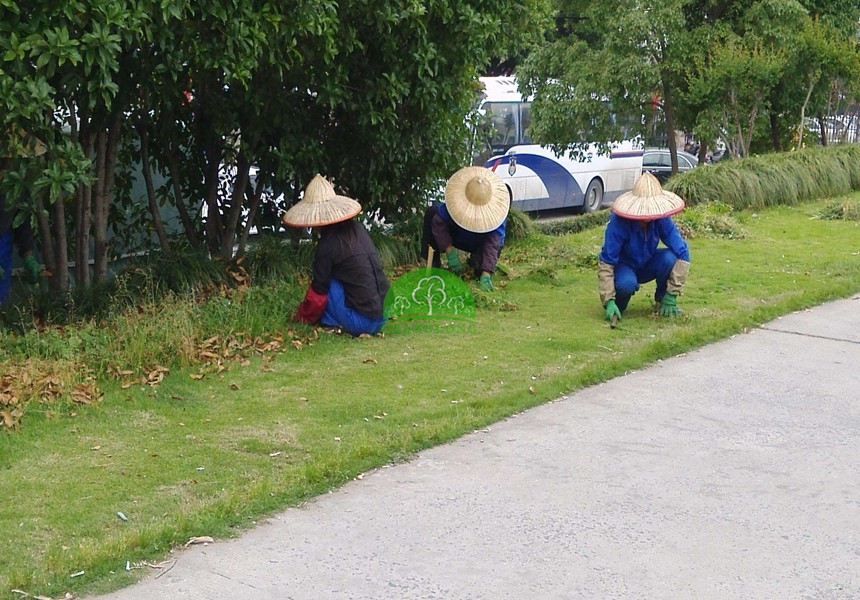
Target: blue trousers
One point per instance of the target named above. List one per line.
(338, 314)
(6, 265)
(657, 268)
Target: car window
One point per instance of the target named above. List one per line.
(665, 160)
(525, 122)
(649, 159)
(684, 163)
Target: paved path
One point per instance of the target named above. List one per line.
(730, 472)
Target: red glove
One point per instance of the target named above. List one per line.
(311, 308)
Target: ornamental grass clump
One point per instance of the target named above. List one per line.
(787, 178)
(519, 225)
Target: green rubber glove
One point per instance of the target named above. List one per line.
(454, 261)
(485, 283)
(32, 269)
(669, 305)
(612, 310)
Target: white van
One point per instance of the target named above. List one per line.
(536, 178)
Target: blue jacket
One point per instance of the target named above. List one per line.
(626, 243)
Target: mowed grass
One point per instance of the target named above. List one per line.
(210, 457)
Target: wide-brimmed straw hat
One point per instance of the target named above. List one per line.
(477, 199)
(320, 206)
(647, 200)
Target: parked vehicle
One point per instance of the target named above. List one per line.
(658, 162)
(538, 179)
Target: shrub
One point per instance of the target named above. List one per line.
(519, 226)
(573, 224)
(774, 179)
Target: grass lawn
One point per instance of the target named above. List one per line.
(90, 491)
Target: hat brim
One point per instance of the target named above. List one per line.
(648, 208)
(334, 210)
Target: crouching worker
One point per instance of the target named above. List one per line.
(348, 286)
(473, 219)
(640, 219)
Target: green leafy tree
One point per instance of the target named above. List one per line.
(594, 83)
(735, 80)
(202, 96)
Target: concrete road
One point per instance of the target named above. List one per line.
(730, 472)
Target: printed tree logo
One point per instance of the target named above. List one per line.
(429, 294)
(401, 303)
(430, 291)
(456, 304)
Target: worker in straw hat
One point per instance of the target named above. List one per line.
(348, 286)
(20, 235)
(639, 220)
(472, 219)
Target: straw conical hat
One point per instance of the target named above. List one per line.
(477, 199)
(647, 200)
(320, 205)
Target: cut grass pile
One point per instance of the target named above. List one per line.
(191, 457)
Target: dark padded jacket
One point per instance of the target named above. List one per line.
(345, 252)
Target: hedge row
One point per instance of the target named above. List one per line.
(773, 179)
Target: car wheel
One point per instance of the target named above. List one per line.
(593, 196)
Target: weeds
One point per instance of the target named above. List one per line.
(841, 210)
(713, 220)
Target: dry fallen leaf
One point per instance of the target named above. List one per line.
(203, 539)
(370, 361)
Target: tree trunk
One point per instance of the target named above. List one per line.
(213, 210)
(750, 128)
(46, 241)
(83, 214)
(669, 112)
(228, 234)
(157, 223)
(60, 280)
(703, 152)
(179, 199)
(98, 212)
(107, 173)
(252, 213)
(802, 126)
(822, 129)
(775, 140)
